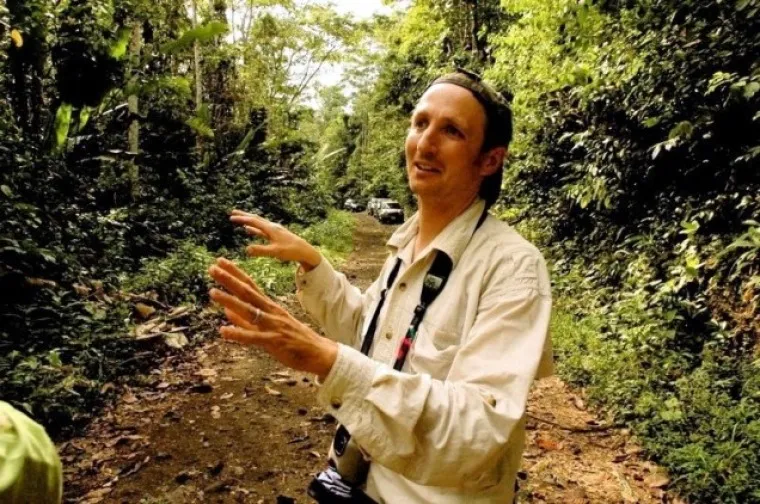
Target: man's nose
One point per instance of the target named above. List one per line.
(427, 144)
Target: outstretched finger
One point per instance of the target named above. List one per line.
(253, 220)
(245, 310)
(238, 320)
(235, 211)
(232, 268)
(262, 251)
(255, 231)
(241, 290)
(246, 336)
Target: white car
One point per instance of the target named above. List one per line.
(374, 205)
(390, 212)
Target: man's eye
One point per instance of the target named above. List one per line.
(419, 123)
(451, 130)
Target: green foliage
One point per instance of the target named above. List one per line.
(182, 276)
(332, 235)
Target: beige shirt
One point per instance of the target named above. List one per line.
(448, 428)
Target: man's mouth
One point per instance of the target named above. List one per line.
(426, 168)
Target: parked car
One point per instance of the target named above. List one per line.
(374, 204)
(390, 212)
(353, 205)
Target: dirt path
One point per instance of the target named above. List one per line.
(228, 424)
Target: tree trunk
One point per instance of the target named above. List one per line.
(135, 46)
(478, 46)
(198, 81)
(197, 63)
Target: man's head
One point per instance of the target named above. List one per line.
(457, 140)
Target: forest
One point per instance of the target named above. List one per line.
(130, 129)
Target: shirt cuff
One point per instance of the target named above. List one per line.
(318, 277)
(346, 386)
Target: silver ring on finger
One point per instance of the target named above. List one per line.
(258, 314)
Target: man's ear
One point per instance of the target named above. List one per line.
(492, 161)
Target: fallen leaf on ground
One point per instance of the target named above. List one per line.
(625, 488)
(272, 391)
(130, 398)
(206, 372)
(144, 311)
(578, 402)
(216, 413)
(546, 443)
(657, 481)
(226, 396)
(176, 340)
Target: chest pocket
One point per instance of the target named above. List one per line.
(434, 350)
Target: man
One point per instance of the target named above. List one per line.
(448, 427)
(30, 470)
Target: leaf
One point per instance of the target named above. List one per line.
(17, 39)
(84, 117)
(657, 481)
(176, 340)
(62, 124)
(206, 372)
(682, 130)
(203, 33)
(742, 4)
(201, 127)
(546, 443)
(144, 310)
(625, 488)
(216, 412)
(751, 89)
(119, 47)
(6, 190)
(54, 358)
(272, 391)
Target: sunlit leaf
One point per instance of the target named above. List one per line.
(17, 39)
(119, 47)
(62, 124)
(203, 33)
(84, 117)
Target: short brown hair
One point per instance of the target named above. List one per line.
(498, 127)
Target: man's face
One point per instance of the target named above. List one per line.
(443, 146)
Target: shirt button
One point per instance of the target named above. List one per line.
(335, 403)
(388, 335)
(402, 287)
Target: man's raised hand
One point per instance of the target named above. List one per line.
(282, 244)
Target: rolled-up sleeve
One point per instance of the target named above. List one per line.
(336, 305)
(453, 432)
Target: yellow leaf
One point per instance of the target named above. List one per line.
(18, 40)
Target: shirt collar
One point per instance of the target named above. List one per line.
(451, 241)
